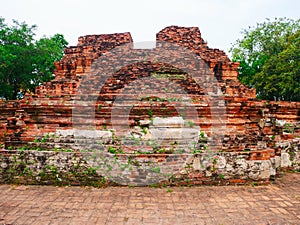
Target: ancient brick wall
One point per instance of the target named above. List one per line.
(262, 130)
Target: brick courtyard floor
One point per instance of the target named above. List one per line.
(277, 203)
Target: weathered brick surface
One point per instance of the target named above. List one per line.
(262, 130)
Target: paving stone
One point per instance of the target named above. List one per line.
(272, 204)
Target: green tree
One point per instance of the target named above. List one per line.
(25, 62)
(269, 56)
(280, 75)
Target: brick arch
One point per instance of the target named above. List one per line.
(132, 72)
(163, 107)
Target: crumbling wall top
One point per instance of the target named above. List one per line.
(181, 35)
(97, 39)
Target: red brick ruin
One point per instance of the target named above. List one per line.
(256, 131)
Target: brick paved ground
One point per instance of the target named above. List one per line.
(277, 203)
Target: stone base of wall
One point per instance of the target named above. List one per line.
(102, 168)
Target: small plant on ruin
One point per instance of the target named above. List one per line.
(161, 150)
(154, 145)
(150, 113)
(172, 178)
(154, 185)
(147, 153)
(148, 142)
(151, 121)
(144, 130)
(92, 170)
(215, 161)
(139, 112)
(179, 151)
(273, 137)
(36, 140)
(137, 141)
(202, 134)
(112, 150)
(23, 148)
(191, 123)
(289, 128)
(112, 136)
(156, 169)
(196, 149)
(119, 139)
(188, 183)
(135, 162)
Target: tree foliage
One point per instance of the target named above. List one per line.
(269, 59)
(25, 62)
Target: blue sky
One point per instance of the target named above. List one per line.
(220, 21)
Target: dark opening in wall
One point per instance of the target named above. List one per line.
(218, 71)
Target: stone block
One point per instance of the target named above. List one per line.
(168, 122)
(285, 160)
